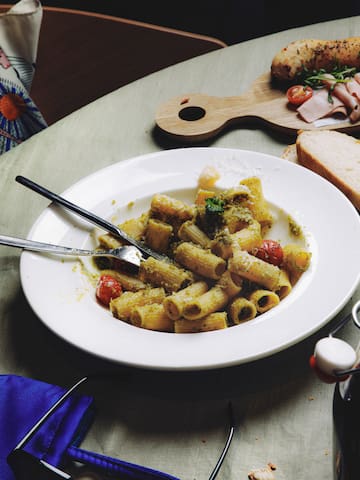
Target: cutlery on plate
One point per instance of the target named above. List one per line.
(127, 253)
(91, 217)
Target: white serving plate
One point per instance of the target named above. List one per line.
(62, 296)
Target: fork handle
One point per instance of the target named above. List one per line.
(35, 246)
(91, 217)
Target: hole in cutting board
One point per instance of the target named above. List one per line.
(192, 114)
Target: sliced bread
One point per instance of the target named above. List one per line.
(290, 153)
(333, 155)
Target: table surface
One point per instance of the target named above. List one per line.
(172, 421)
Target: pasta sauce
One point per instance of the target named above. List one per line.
(223, 271)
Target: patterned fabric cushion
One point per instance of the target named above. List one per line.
(19, 35)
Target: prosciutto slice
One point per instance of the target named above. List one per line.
(341, 91)
(318, 106)
(353, 87)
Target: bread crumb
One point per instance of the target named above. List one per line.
(265, 473)
(290, 153)
(208, 177)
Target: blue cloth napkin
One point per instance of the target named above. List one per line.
(23, 401)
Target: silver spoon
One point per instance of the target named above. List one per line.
(127, 253)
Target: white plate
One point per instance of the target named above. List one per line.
(63, 298)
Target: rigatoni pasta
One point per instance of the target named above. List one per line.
(152, 317)
(190, 232)
(170, 210)
(254, 269)
(242, 310)
(258, 204)
(248, 238)
(163, 274)
(174, 304)
(296, 260)
(209, 302)
(158, 235)
(285, 286)
(134, 227)
(122, 307)
(217, 275)
(230, 283)
(199, 260)
(264, 300)
(130, 283)
(213, 321)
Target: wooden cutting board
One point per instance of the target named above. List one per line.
(196, 117)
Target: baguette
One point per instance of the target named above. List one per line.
(315, 54)
(333, 155)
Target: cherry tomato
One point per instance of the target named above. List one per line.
(298, 94)
(107, 288)
(270, 251)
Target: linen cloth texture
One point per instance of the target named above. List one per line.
(23, 401)
(19, 37)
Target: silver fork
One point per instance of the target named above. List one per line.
(127, 253)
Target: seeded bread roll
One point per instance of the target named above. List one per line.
(313, 55)
(333, 155)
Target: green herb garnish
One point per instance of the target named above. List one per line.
(214, 205)
(315, 78)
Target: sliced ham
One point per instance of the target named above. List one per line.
(340, 91)
(318, 106)
(355, 114)
(345, 100)
(353, 87)
(349, 100)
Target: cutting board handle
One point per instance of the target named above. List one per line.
(198, 117)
